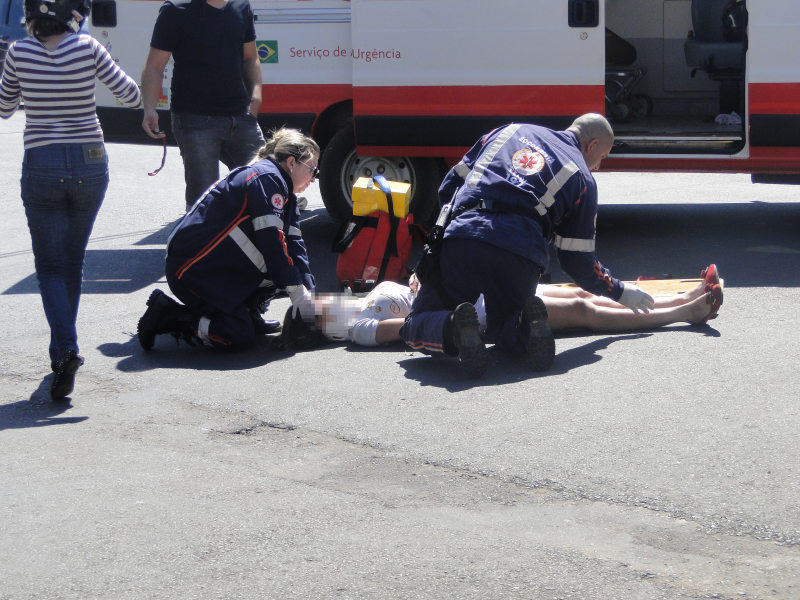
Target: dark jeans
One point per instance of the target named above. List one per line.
(471, 268)
(63, 186)
(206, 140)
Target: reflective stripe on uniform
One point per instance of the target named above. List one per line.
(238, 236)
(202, 329)
(267, 221)
(267, 283)
(462, 170)
(295, 231)
(555, 185)
(487, 158)
(573, 244)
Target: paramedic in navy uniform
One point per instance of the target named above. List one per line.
(517, 189)
(216, 86)
(242, 235)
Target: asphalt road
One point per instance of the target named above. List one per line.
(661, 464)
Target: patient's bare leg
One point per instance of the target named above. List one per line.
(553, 291)
(579, 313)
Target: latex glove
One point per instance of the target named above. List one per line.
(731, 119)
(636, 299)
(303, 301)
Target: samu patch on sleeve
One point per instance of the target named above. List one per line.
(278, 201)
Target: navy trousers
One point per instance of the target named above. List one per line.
(471, 268)
(229, 331)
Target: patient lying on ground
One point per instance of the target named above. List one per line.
(377, 318)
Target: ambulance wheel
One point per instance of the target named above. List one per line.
(621, 111)
(642, 105)
(341, 166)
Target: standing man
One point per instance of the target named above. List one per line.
(517, 189)
(216, 86)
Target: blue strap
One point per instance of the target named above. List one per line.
(382, 183)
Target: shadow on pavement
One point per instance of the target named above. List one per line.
(318, 233)
(444, 372)
(158, 238)
(754, 245)
(110, 272)
(706, 330)
(168, 354)
(39, 411)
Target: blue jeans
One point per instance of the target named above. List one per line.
(63, 186)
(206, 140)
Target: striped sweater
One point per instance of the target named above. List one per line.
(57, 87)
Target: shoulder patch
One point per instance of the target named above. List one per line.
(278, 201)
(527, 162)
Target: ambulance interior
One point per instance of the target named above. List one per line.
(675, 73)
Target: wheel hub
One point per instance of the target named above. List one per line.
(393, 168)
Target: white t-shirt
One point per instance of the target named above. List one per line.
(389, 300)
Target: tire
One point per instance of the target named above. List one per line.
(340, 166)
(642, 105)
(619, 112)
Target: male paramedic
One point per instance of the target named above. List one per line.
(520, 187)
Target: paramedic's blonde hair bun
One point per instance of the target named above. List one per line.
(284, 143)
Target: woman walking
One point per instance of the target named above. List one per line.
(65, 166)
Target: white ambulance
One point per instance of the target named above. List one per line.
(404, 87)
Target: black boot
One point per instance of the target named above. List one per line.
(164, 315)
(534, 332)
(263, 326)
(461, 339)
(65, 369)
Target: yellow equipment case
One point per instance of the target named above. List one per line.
(368, 197)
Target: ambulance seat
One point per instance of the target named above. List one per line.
(708, 49)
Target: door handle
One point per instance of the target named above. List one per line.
(584, 13)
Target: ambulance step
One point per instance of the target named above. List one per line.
(677, 144)
(678, 138)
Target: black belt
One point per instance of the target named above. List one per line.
(491, 207)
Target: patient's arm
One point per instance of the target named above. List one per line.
(389, 331)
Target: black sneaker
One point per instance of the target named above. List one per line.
(159, 318)
(472, 353)
(534, 331)
(65, 369)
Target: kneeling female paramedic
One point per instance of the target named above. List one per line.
(240, 238)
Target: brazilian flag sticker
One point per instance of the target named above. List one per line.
(267, 51)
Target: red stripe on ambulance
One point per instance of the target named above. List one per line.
(512, 100)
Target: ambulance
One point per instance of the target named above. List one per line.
(403, 88)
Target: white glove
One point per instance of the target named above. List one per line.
(731, 119)
(636, 299)
(303, 301)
